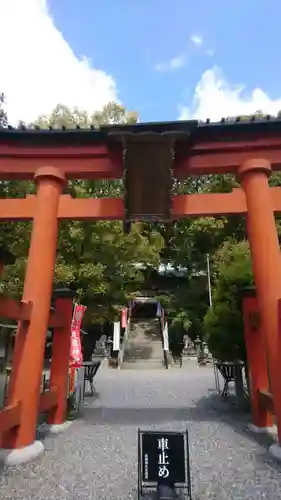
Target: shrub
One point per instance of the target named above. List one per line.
(223, 324)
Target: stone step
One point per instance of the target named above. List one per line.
(143, 339)
(138, 347)
(142, 366)
(143, 348)
(144, 342)
(146, 352)
(134, 355)
(143, 360)
(140, 354)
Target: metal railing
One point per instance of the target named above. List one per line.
(124, 343)
(165, 352)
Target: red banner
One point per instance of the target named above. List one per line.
(76, 358)
(124, 318)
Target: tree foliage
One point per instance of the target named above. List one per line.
(99, 262)
(223, 322)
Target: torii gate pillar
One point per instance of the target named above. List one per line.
(266, 263)
(30, 341)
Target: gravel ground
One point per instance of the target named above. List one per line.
(96, 458)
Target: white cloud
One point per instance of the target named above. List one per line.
(196, 40)
(175, 63)
(38, 68)
(179, 61)
(215, 98)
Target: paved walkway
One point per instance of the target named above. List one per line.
(96, 457)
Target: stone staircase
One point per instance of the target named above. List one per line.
(143, 350)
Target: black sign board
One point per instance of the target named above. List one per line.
(163, 457)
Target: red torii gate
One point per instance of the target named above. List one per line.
(147, 156)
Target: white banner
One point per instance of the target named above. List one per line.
(165, 337)
(116, 336)
(159, 310)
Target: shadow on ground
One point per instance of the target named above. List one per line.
(211, 408)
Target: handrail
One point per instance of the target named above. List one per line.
(124, 343)
(165, 353)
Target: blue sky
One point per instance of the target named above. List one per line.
(166, 59)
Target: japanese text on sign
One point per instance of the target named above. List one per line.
(163, 458)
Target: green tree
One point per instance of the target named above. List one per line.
(63, 116)
(223, 322)
(13, 235)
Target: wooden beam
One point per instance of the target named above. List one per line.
(19, 152)
(224, 157)
(24, 169)
(91, 208)
(11, 309)
(48, 400)
(222, 163)
(69, 208)
(91, 162)
(198, 205)
(13, 209)
(221, 204)
(21, 311)
(246, 145)
(99, 162)
(191, 205)
(9, 417)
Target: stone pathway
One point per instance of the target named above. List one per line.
(96, 458)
